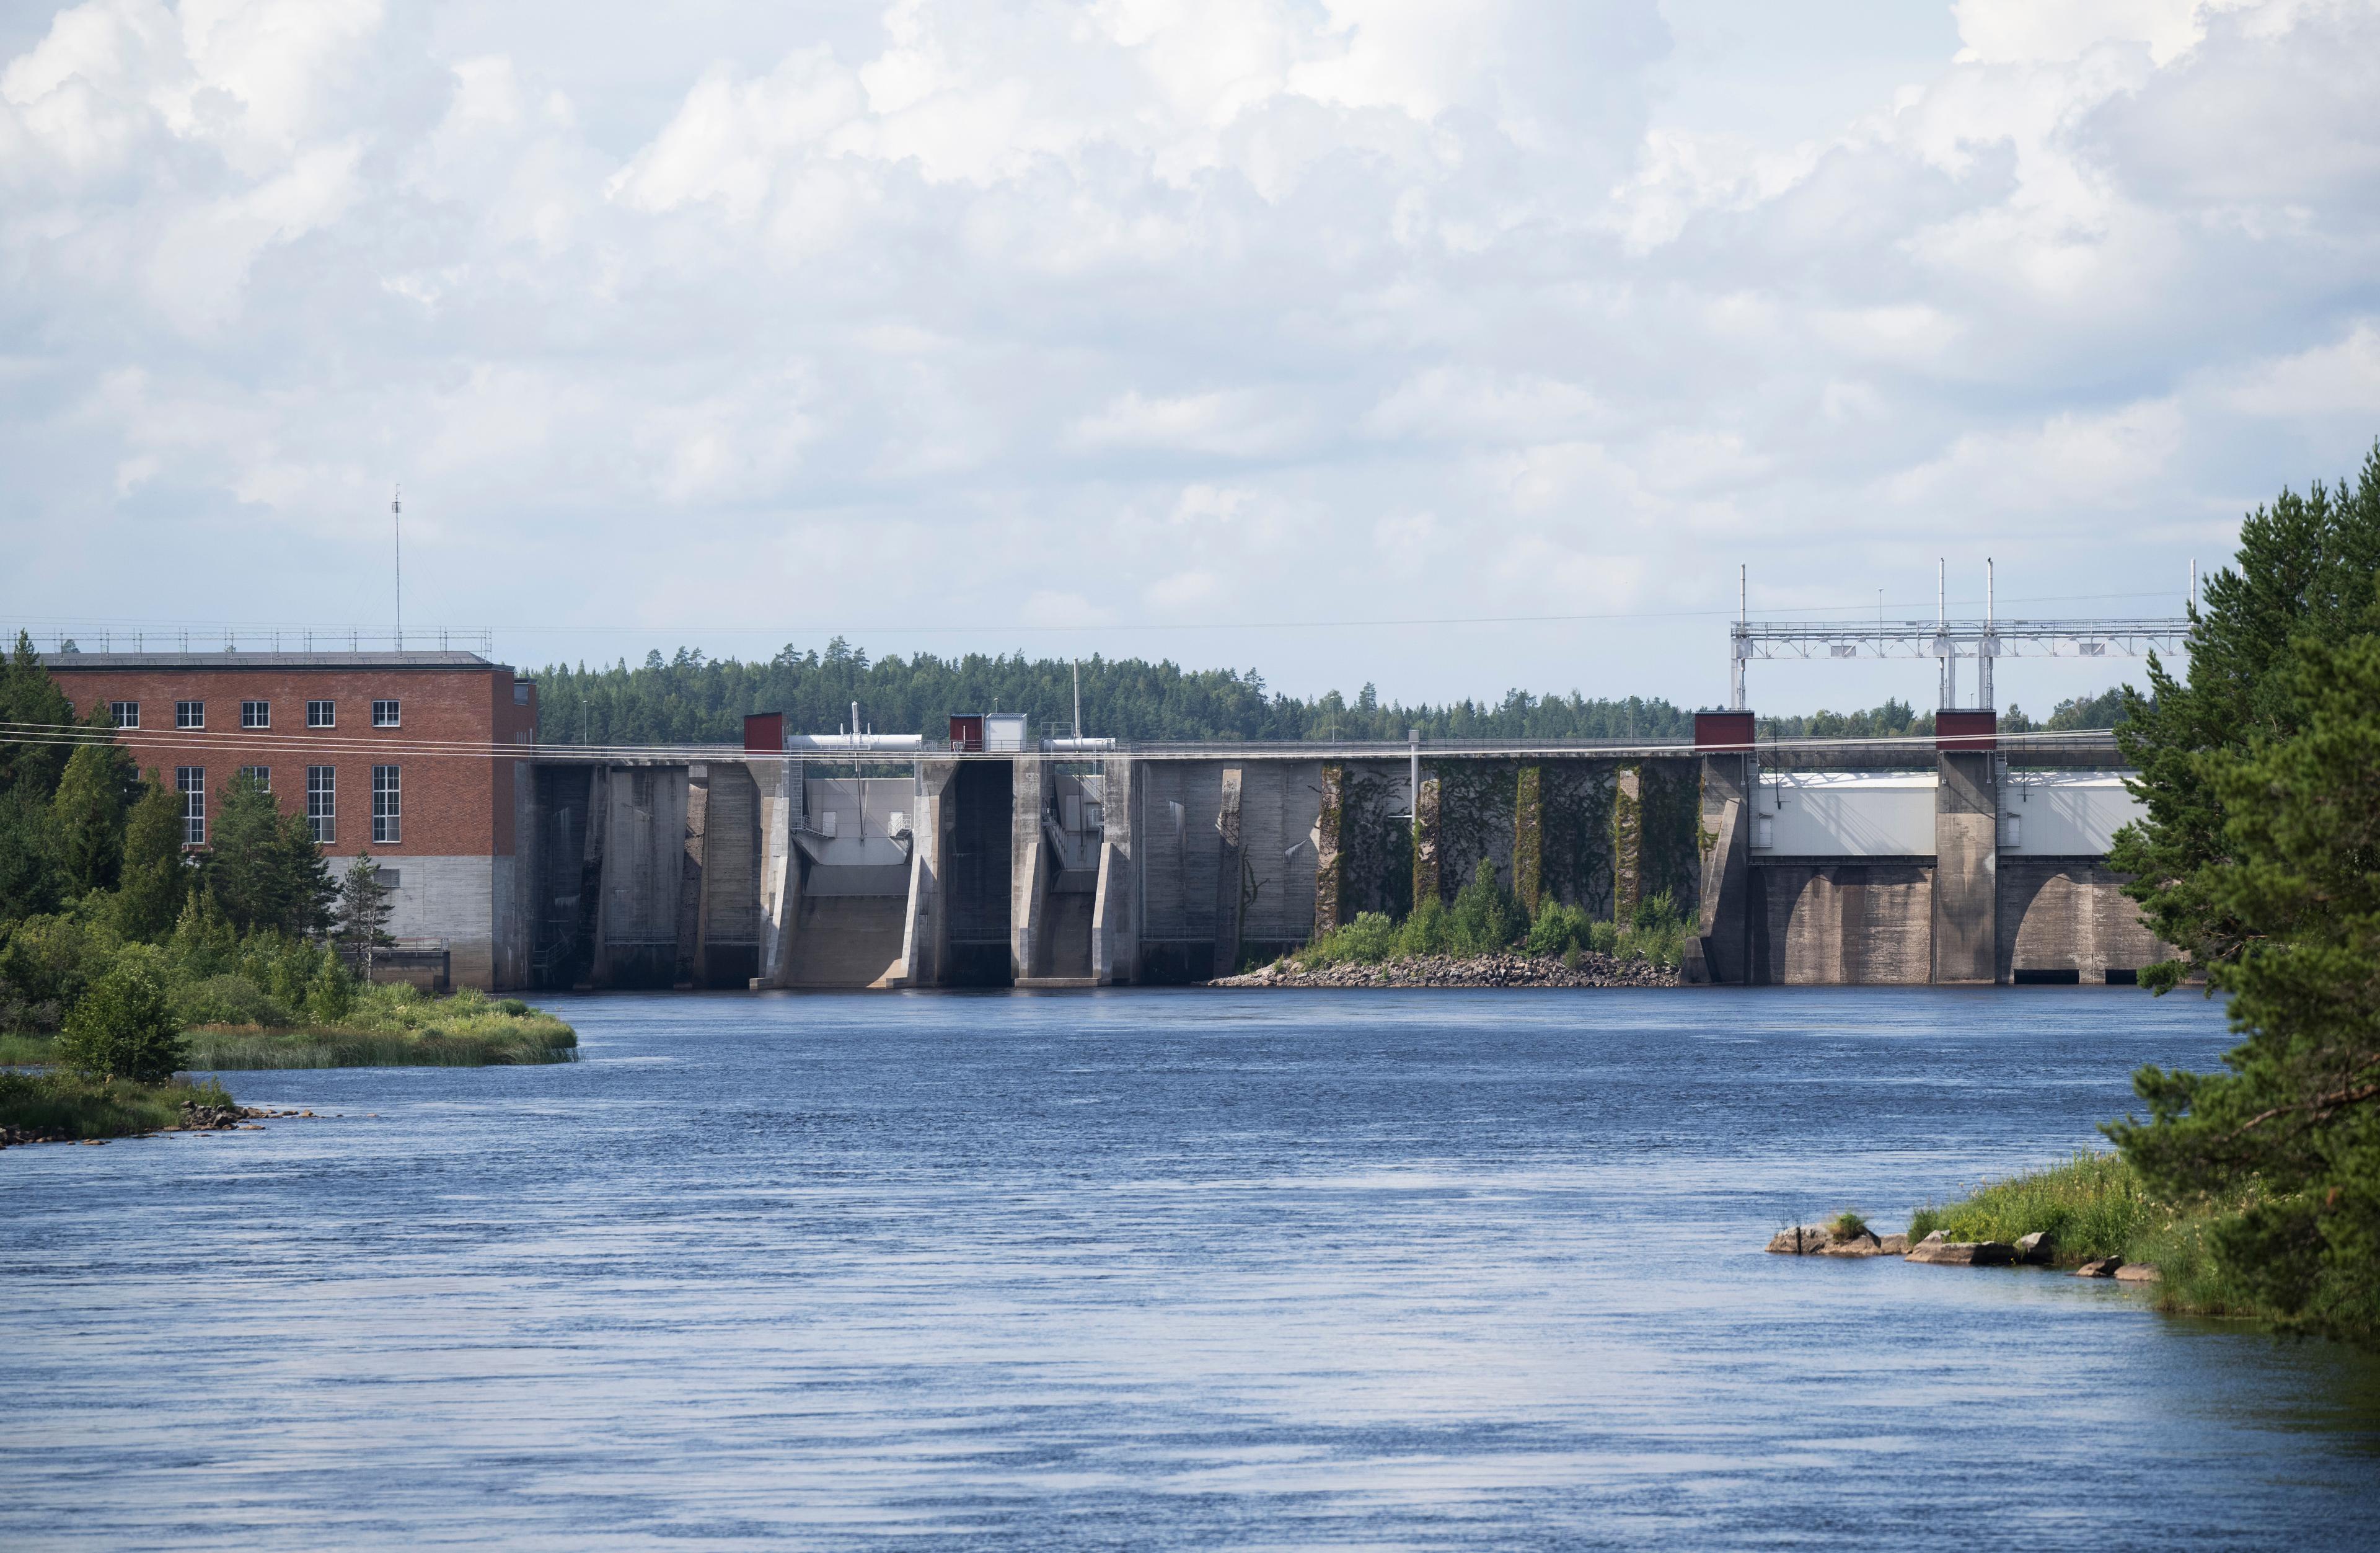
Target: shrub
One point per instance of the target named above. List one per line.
(229, 1000)
(1847, 1226)
(124, 1028)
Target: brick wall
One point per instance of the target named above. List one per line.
(453, 804)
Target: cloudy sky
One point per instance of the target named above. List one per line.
(1217, 329)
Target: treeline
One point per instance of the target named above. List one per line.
(691, 699)
(1897, 719)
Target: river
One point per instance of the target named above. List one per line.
(1147, 1269)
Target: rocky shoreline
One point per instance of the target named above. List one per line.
(195, 1118)
(1478, 971)
(2036, 1250)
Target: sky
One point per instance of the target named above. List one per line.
(1449, 348)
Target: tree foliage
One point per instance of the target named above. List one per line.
(125, 1028)
(265, 869)
(2259, 858)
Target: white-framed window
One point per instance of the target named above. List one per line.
(190, 781)
(256, 713)
(126, 713)
(386, 807)
(388, 878)
(321, 714)
(384, 714)
(260, 775)
(189, 714)
(321, 801)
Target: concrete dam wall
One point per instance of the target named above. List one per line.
(1052, 870)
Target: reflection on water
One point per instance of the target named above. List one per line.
(1147, 1269)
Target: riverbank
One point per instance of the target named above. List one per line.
(60, 1106)
(2093, 1214)
(1579, 968)
(387, 1027)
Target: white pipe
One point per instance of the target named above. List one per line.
(848, 741)
(1053, 744)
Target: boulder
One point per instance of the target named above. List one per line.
(2136, 1272)
(1893, 1245)
(1801, 1239)
(2038, 1249)
(1963, 1254)
(2106, 1267)
(1862, 1245)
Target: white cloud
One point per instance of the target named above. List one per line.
(1250, 308)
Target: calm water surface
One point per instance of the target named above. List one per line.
(1147, 1269)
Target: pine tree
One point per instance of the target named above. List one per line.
(28, 695)
(265, 868)
(87, 818)
(2305, 569)
(363, 911)
(155, 880)
(2259, 857)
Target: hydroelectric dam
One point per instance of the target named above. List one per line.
(994, 857)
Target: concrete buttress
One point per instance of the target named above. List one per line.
(1966, 867)
(1028, 873)
(690, 900)
(1115, 927)
(1722, 949)
(1230, 874)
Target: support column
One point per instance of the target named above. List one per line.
(692, 917)
(1330, 850)
(1966, 848)
(591, 871)
(1529, 838)
(1115, 926)
(1628, 843)
(1425, 881)
(781, 871)
(928, 932)
(1229, 877)
(1029, 871)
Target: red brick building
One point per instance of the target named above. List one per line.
(394, 755)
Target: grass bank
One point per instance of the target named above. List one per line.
(61, 1105)
(385, 1027)
(2094, 1206)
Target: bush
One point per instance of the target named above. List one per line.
(229, 1000)
(124, 1028)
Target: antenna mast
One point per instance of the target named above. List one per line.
(396, 524)
(1078, 701)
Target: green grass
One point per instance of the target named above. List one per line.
(65, 1104)
(387, 1027)
(2096, 1207)
(2093, 1205)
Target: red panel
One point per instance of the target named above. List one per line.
(1722, 730)
(1966, 731)
(966, 733)
(764, 732)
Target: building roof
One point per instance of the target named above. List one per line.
(222, 660)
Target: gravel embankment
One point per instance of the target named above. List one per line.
(1483, 970)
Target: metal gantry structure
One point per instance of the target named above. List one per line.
(1983, 641)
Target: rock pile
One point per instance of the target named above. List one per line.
(1479, 971)
(2036, 1250)
(1817, 1240)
